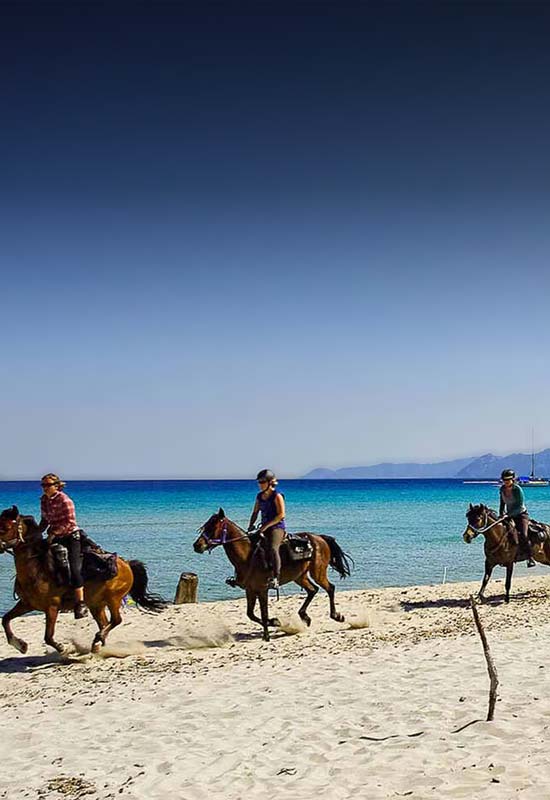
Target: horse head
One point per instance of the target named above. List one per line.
(477, 517)
(11, 528)
(212, 533)
(17, 529)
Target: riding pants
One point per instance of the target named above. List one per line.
(275, 537)
(72, 543)
(522, 526)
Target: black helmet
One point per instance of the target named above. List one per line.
(506, 474)
(266, 475)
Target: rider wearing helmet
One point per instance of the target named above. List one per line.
(512, 503)
(271, 504)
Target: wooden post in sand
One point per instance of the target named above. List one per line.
(490, 663)
(188, 585)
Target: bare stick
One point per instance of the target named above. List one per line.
(490, 663)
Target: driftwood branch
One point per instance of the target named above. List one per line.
(490, 663)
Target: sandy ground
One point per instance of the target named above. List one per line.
(193, 704)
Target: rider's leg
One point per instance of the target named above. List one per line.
(276, 536)
(75, 560)
(522, 524)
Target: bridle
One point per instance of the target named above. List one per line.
(5, 546)
(223, 538)
(477, 531)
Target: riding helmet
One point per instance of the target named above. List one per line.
(507, 474)
(266, 475)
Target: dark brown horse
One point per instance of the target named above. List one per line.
(252, 573)
(501, 543)
(38, 590)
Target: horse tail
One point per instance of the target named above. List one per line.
(139, 594)
(340, 561)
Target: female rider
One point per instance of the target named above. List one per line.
(271, 504)
(512, 502)
(59, 517)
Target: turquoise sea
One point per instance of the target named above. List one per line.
(399, 532)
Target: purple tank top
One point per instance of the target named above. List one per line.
(268, 509)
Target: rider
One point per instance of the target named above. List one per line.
(271, 504)
(512, 503)
(59, 517)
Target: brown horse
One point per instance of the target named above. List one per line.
(38, 590)
(253, 576)
(501, 543)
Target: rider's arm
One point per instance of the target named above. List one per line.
(502, 507)
(280, 506)
(254, 515)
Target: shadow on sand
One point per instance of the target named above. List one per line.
(461, 602)
(25, 663)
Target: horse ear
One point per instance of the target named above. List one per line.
(15, 511)
(221, 514)
(471, 506)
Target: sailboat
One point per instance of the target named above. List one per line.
(533, 479)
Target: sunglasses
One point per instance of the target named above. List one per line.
(48, 484)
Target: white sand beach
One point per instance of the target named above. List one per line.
(193, 704)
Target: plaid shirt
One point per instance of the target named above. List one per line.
(58, 511)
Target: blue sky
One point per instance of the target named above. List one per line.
(272, 235)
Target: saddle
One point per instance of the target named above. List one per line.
(296, 547)
(538, 532)
(97, 564)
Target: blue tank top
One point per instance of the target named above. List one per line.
(268, 509)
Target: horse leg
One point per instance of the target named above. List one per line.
(319, 575)
(262, 597)
(485, 581)
(508, 584)
(98, 613)
(306, 584)
(17, 611)
(51, 618)
(251, 598)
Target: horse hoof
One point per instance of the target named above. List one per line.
(305, 618)
(339, 618)
(19, 644)
(274, 622)
(96, 647)
(266, 637)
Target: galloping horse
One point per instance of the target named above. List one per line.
(253, 576)
(38, 590)
(501, 543)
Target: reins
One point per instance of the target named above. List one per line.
(477, 531)
(212, 543)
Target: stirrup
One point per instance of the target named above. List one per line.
(232, 581)
(273, 583)
(531, 562)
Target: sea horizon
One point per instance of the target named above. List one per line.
(399, 531)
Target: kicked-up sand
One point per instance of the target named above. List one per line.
(192, 704)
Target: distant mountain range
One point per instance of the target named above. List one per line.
(486, 467)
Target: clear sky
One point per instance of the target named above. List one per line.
(265, 234)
